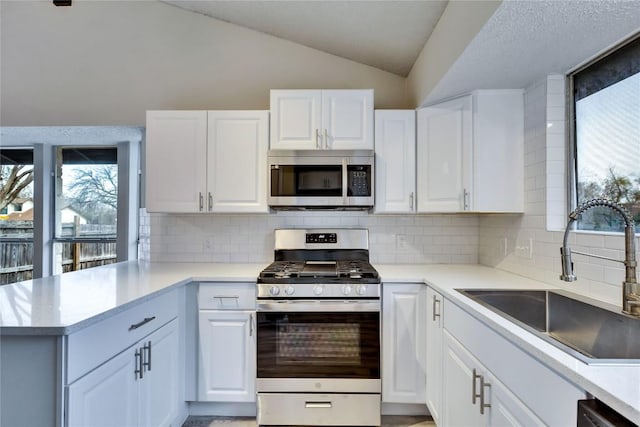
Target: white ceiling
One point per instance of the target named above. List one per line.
(386, 34)
(526, 40)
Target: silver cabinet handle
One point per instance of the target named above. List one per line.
(201, 201)
(210, 202)
(138, 371)
(317, 404)
(326, 139)
(251, 324)
(483, 386)
(318, 144)
(141, 323)
(146, 356)
(436, 314)
(474, 394)
(226, 297)
(411, 201)
(465, 199)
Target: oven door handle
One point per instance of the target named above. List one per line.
(318, 306)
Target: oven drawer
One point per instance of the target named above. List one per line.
(227, 296)
(319, 409)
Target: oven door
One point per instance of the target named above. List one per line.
(318, 346)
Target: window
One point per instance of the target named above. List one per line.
(69, 227)
(86, 207)
(606, 151)
(16, 215)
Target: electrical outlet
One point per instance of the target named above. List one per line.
(401, 241)
(524, 248)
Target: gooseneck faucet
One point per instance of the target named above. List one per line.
(630, 289)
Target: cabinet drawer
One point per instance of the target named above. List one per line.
(552, 399)
(93, 345)
(227, 296)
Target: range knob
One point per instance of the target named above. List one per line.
(361, 289)
(274, 291)
(346, 289)
(318, 289)
(289, 290)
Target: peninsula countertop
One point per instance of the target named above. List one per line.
(61, 305)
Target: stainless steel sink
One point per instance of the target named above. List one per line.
(591, 333)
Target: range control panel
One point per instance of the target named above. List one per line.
(322, 238)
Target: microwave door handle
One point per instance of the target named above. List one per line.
(345, 181)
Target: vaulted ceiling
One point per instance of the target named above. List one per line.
(521, 43)
(386, 34)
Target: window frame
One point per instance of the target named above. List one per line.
(128, 140)
(572, 161)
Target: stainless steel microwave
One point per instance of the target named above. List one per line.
(321, 179)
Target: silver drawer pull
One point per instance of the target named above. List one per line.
(317, 404)
(142, 322)
(226, 296)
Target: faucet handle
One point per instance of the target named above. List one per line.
(567, 265)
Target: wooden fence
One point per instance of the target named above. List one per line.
(16, 257)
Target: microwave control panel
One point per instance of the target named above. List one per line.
(359, 181)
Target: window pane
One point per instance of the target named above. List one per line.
(86, 208)
(16, 215)
(607, 131)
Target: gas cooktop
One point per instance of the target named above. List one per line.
(347, 271)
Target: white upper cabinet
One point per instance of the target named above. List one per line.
(237, 159)
(395, 145)
(199, 161)
(470, 153)
(176, 160)
(322, 119)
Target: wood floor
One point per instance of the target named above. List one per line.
(387, 421)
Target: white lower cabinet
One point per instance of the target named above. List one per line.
(403, 343)
(475, 397)
(434, 351)
(489, 381)
(227, 342)
(138, 387)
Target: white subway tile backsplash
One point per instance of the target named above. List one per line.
(545, 130)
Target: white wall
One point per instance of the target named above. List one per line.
(443, 239)
(107, 62)
(545, 211)
(456, 28)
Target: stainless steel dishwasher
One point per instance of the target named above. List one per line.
(593, 413)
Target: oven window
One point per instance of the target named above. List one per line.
(306, 181)
(319, 345)
(329, 344)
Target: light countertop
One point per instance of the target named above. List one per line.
(63, 304)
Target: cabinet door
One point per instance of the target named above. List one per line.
(176, 157)
(506, 409)
(444, 156)
(435, 316)
(238, 142)
(296, 119)
(107, 396)
(403, 343)
(347, 119)
(227, 356)
(160, 385)
(498, 140)
(459, 385)
(395, 142)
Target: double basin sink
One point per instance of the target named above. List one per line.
(588, 332)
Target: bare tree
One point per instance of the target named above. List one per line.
(14, 180)
(95, 190)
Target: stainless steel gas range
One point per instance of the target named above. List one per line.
(318, 331)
